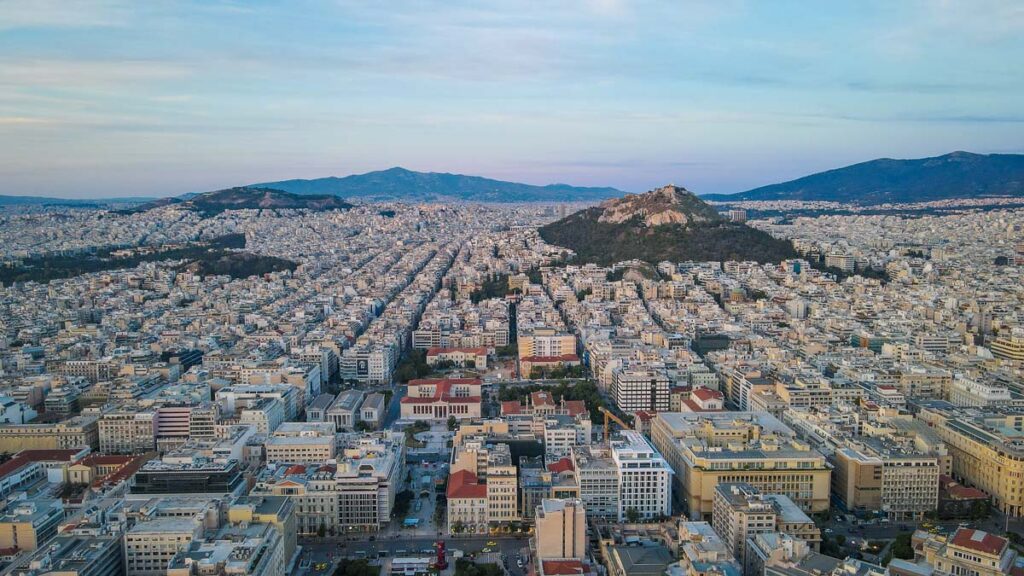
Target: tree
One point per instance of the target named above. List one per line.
(321, 530)
(903, 548)
(356, 568)
(452, 423)
(632, 515)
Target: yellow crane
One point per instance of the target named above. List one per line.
(608, 416)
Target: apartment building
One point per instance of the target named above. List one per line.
(561, 528)
(644, 477)
(706, 449)
(740, 511)
(641, 389)
(263, 414)
(150, 545)
(542, 341)
(250, 549)
(301, 443)
(905, 486)
(492, 477)
(370, 472)
(127, 431)
(28, 522)
(597, 481)
(85, 550)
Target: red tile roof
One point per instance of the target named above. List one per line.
(26, 457)
(575, 407)
(479, 351)
(435, 381)
(123, 473)
(562, 567)
(511, 407)
(706, 394)
(442, 391)
(694, 407)
(465, 484)
(645, 415)
(550, 359)
(541, 398)
(563, 465)
(978, 540)
(105, 460)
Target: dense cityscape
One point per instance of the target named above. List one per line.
(433, 388)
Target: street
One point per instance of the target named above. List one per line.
(330, 550)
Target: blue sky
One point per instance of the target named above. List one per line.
(112, 98)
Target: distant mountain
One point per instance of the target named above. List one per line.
(250, 198)
(78, 202)
(668, 223)
(955, 175)
(402, 184)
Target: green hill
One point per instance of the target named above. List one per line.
(669, 223)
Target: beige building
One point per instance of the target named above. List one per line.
(986, 450)
(491, 477)
(302, 442)
(127, 431)
(546, 342)
(561, 530)
(903, 485)
(276, 511)
(739, 512)
(706, 449)
(149, 546)
(27, 524)
(969, 552)
(72, 433)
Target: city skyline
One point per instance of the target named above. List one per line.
(106, 99)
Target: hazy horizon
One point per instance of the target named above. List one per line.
(109, 98)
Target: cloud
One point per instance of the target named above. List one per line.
(16, 14)
(79, 74)
(22, 120)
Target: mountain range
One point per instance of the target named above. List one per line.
(954, 175)
(668, 223)
(885, 180)
(407, 185)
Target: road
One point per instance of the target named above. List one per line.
(995, 525)
(331, 550)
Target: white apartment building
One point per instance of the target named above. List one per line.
(645, 478)
(967, 392)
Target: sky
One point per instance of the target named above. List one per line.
(104, 98)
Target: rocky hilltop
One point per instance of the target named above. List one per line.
(668, 223)
(666, 205)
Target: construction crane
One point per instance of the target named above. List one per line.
(608, 416)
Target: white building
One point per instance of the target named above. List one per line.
(645, 478)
